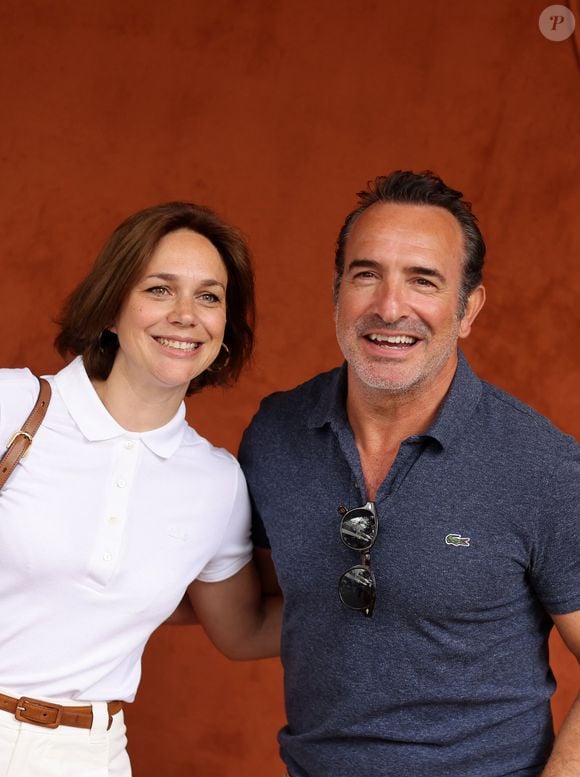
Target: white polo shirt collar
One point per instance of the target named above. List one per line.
(96, 423)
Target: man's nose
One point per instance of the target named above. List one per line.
(391, 302)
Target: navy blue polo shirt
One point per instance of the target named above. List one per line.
(478, 541)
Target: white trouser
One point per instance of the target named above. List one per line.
(27, 750)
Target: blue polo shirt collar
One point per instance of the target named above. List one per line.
(457, 407)
(459, 404)
(96, 423)
(331, 406)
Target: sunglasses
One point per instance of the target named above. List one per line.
(357, 587)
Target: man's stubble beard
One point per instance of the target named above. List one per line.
(372, 378)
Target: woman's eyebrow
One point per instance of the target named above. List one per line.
(169, 276)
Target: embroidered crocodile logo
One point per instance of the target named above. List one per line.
(457, 540)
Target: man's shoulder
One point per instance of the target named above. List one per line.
(285, 419)
(280, 444)
(518, 421)
(301, 399)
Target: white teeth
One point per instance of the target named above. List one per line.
(180, 345)
(393, 339)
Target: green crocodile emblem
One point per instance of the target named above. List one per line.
(457, 540)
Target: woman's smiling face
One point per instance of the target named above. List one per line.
(171, 325)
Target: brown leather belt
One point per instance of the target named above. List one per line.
(48, 715)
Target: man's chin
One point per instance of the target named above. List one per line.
(399, 379)
(391, 382)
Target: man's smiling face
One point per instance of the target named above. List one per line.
(398, 303)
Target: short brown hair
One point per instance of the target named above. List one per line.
(96, 302)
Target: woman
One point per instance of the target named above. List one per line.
(120, 506)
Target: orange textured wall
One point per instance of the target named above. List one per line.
(275, 114)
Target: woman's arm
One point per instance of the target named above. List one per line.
(242, 622)
(183, 615)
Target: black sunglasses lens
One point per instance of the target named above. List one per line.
(358, 529)
(356, 588)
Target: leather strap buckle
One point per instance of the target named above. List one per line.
(38, 713)
(15, 436)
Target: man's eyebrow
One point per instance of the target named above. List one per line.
(367, 264)
(371, 264)
(169, 276)
(429, 272)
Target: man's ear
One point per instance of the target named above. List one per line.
(475, 302)
(336, 278)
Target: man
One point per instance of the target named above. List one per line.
(423, 524)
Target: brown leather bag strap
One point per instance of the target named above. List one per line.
(22, 440)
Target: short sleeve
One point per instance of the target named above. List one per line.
(235, 549)
(555, 570)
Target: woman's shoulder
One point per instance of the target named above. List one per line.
(196, 446)
(17, 386)
(18, 393)
(17, 377)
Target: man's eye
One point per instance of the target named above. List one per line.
(425, 282)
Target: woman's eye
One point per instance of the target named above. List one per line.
(207, 296)
(158, 291)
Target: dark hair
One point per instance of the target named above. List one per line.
(96, 302)
(425, 188)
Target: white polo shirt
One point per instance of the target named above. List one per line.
(101, 531)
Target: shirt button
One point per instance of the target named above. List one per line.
(107, 556)
(129, 444)
(121, 483)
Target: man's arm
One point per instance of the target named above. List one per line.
(565, 758)
(267, 572)
(241, 620)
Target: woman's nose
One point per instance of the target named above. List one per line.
(183, 312)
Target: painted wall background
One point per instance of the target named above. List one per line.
(275, 114)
